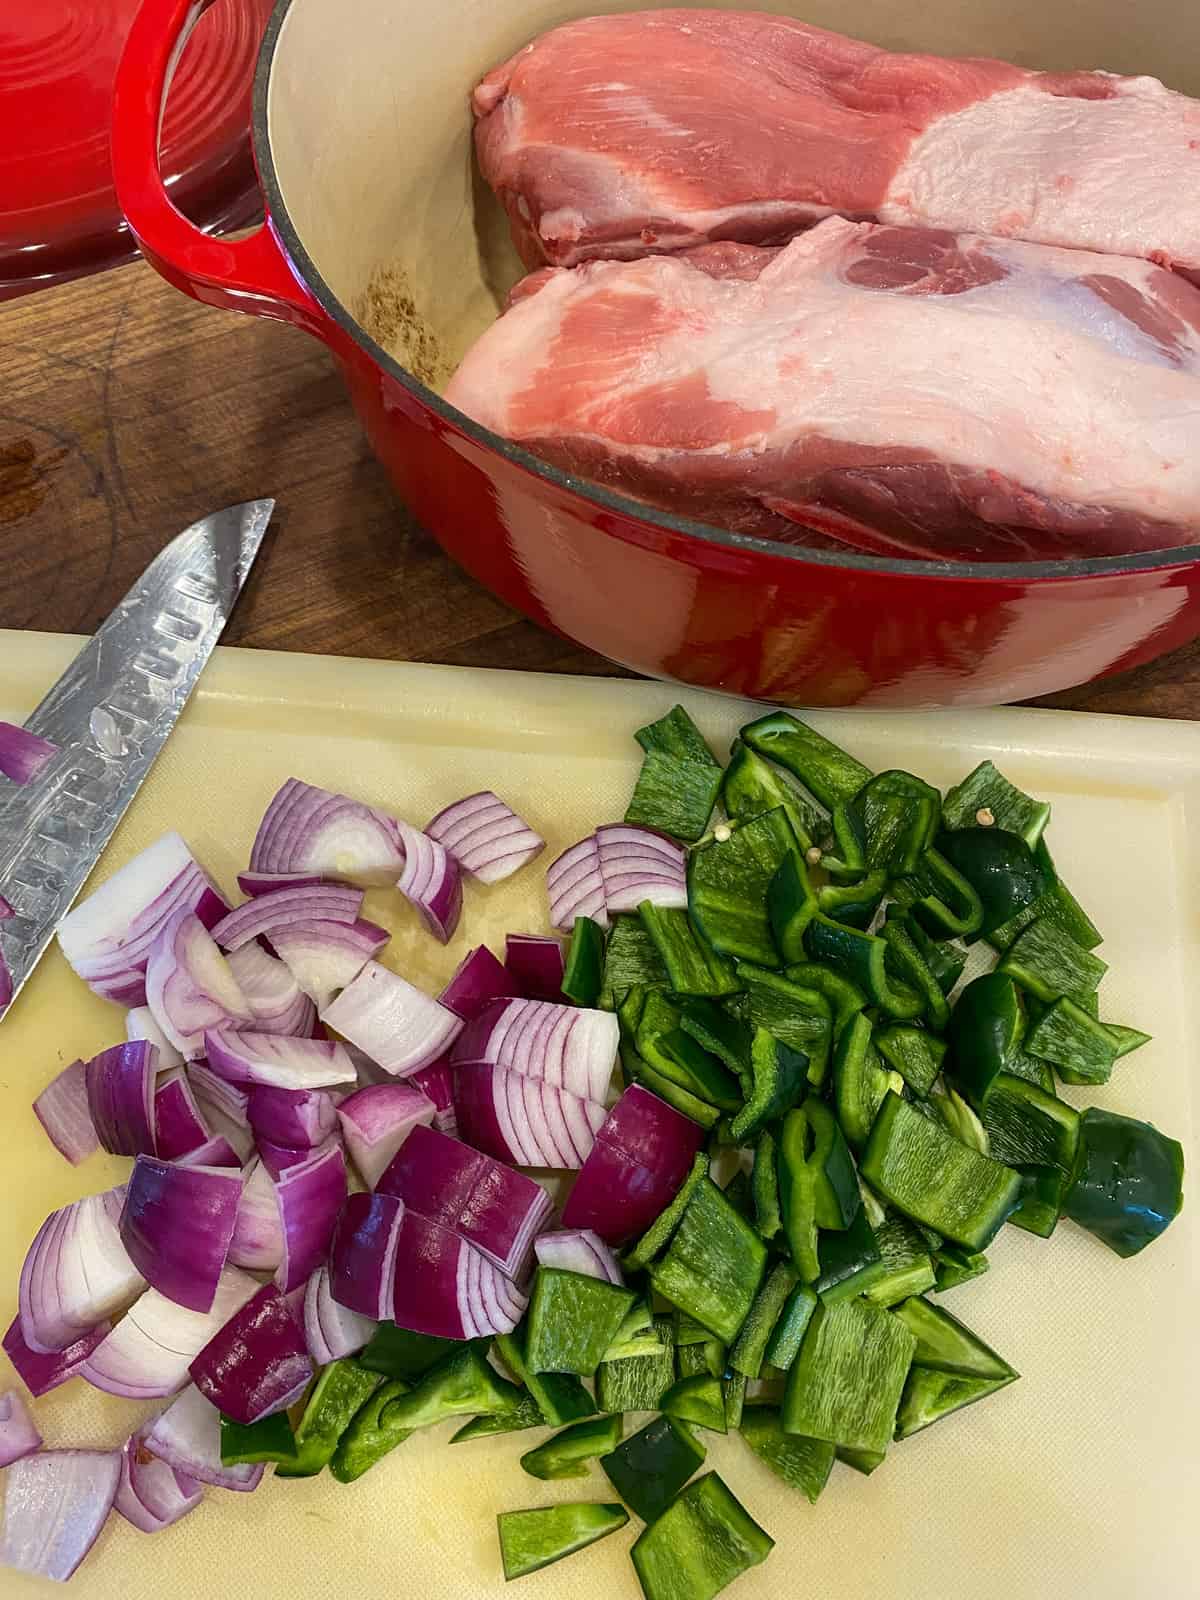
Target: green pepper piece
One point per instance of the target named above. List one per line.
(462, 1384)
(846, 1383)
(954, 1265)
(912, 1053)
(791, 905)
(1127, 1182)
(567, 1454)
(985, 789)
(906, 963)
(655, 1239)
(862, 956)
(898, 817)
(845, 998)
(399, 1353)
(268, 1439)
(652, 1465)
(803, 1464)
(694, 1360)
(984, 1034)
(583, 972)
(864, 1461)
(817, 1182)
(825, 770)
(572, 1320)
(700, 1544)
(680, 778)
(371, 1434)
(749, 1348)
(944, 959)
(925, 1172)
(780, 1079)
(908, 1265)
(1027, 1127)
(638, 1384)
(859, 1081)
(1126, 1039)
(697, 1400)
(930, 1395)
(852, 904)
(631, 960)
(1047, 962)
(799, 1018)
(713, 1265)
(940, 899)
(1042, 1195)
(764, 1187)
(1081, 1048)
(1062, 906)
(693, 967)
(675, 1055)
(675, 734)
(530, 1540)
(788, 1334)
(956, 1116)
(637, 1335)
(740, 1196)
(733, 1396)
(942, 1341)
(339, 1391)
(728, 883)
(721, 1035)
(999, 866)
(560, 1397)
(687, 1330)
(850, 1261)
(525, 1415)
(639, 1071)
(751, 786)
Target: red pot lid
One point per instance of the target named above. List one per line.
(58, 211)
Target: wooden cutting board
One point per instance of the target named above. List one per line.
(1080, 1480)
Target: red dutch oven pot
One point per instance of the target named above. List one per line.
(361, 135)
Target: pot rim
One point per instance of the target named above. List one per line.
(1018, 572)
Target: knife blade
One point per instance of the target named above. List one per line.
(110, 714)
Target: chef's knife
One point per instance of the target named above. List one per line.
(110, 714)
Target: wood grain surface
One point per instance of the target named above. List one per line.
(128, 410)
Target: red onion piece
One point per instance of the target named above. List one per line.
(257, 1363)
(256, 883)
(257, 1241)
(445, 1287)
(313, 831)
(497, 1210)
(571, 1047)
(524, 1120)
(179, 1127)
(638, 865)
(151, 1494)
(273, 995)
(215, 1152)
(536, 963)
(187, 1436)
(18, 1432)
(189, 986)
(42, 1372)
(310, 1197)
(333, 1331)
(437, 1081)
(147, 1354)
(641, 1156)
(140, 1024)
(579, 1250)
(216, 1092)
(299, 1118)
(55, 1505)
(261, 917)
(76, 1273)
(325, 956)
(62, 1110)
(266, 1059)
(485, 837)
(377, 1120)
(431, 882)
(398, 1026)
(277, 1158)
(478, 978)
(120, 1092)
(576, 886)
(362, 1260)
(177, 1225)
(22, 754)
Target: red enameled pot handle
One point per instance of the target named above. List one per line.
(251, 274)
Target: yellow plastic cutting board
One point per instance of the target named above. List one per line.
(1079, 1481)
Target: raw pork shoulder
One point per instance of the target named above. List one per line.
(660, 130)
(901, 389)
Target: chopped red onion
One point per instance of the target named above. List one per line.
(257, 1241)
(55, 1504)
(497, 1210)
(445, 1287)
(42, 1372)
(536, 963)
(431, 881)
(140, 1024)
(277, 1158)
(22, 754)
(323, 902)
(310, 1197)
(177, 1225)
(485, 837)
(120, 1093)
(298, 1118)
(243, 1057)
(189, 986)
(576, 886)
(524, 1120)
(257, 1363)
(18, 1432)
(147, 1354)
(571, 1047)
(333, 1331)
(278, 1002)
(579, 1250)
(377, 1120)
(313, 831)
(151, 1495)
(638, 865)
(256, 883)
(215, 1152)
(179, 1127)
(437, 1081)
(325, 956)
(62, 1110)
(398, 1026)
(478, 978)
(641, 1156)
(216, 1092)
(187, 1436)
(362, 1260)
(76, 1273)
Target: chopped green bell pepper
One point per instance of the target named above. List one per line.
(698, 1400)
(728, 884)
(372, 1434)
(721, 1035)
(817, 1182)
(583, 973)
(940, 899)
(956, 1116)
(246, 1443)
(1027, 1127)
(944, 958)
(906, 963)
(845, 1385)
(1062, 907)
(750, 1346)
(791, 905)
(341, 1388)
(639, 1383)
(1081, 1048)
(733, 1395)
(656, 1237)
(560, 1397)
(693, 966)
(986, 789)
(930, 1395)
(1048, 962)
(1001, 869)
(799, 1018)
(764, 1187)
(915, 1054)
(462, 1384)
(680, 779)
(862, 957)
(850, 1261)
(954, 1265)
(694, 1360)
(530, 1540)
(400, 1353)
(752, 786)
(572, 1320)
(788, 1334)
(1042, 1195)
(637, 1335)
(864, 1461)
(908, 1265)
(567, 1454)
(984, 1034)
(853, 904)
(699, 1545)
(1126, 1186)
(526, 1414)
(631, 960)
(942, 1341)
(898, 816)
(640, 1071)
(859, 1080)
(826, 771)
(845, 998)
(1127, 1040)
(740, 1195)
(780, 1078)
(652, 1465)
(675, 1055)
(713, 1265)
(803, 1464)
